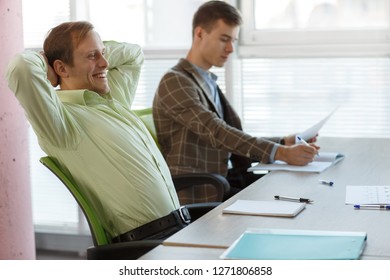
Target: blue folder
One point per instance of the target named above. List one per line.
(275, 244)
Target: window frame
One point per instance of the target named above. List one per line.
(308, 43)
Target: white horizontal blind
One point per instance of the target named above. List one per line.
(53, 205)
(152, 71)
(39, 16)
(282, 96)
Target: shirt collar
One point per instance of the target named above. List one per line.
(81, 97)
(209, 76)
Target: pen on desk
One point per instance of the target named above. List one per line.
(371, 207)
(296, 199)
(325, 182)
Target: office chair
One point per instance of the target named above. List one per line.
(182, 181)
(103, 248)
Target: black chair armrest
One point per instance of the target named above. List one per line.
(197, 210)
(183, 181)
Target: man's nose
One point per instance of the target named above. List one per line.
(103, 62)
(229, 47)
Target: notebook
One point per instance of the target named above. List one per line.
(265, 208)
(279, 244)
(321, 162)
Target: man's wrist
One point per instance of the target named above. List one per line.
(280, 153)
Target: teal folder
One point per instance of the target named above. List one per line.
(276, 244)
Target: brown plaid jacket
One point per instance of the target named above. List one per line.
(193, 136)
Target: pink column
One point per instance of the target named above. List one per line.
(16, 226)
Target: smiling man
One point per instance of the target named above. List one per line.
(197, 128)
(88, 127)
(80, 65)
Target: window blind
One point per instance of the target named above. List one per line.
(36, 26)
(282, 96)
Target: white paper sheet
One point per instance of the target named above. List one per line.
(313, 131)
(367, 195)
(320, 163)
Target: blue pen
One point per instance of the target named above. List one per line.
(372, 207)
(300, 139)
(325, 182)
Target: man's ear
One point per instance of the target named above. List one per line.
(198, 32)
(60, 68)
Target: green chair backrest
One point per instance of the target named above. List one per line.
(146, 115)
(98, 233)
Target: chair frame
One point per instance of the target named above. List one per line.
(103, 248)
(99, 235)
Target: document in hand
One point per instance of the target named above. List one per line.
(265, 208)
(313, 131)
(279, 244)
(320, 163)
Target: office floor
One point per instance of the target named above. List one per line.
(58, 255)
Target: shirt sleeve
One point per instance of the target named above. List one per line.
(125, 62)
(27, 78)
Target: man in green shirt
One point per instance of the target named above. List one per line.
(88, 127)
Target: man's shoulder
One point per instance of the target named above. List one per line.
(177, 72)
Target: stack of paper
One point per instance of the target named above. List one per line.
(277, 244)
(265, 208)
(320, 163)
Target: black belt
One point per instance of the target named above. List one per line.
(174, 221)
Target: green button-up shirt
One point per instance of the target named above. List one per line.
(105, 147)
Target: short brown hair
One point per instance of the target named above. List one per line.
(212, 11)
(61, 40)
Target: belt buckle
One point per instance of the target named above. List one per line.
(184, 214)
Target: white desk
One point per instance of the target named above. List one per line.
(367, 162)
(199, 253)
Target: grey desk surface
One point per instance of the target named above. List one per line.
(367, 162)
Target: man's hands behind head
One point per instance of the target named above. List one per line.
(51, 74)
